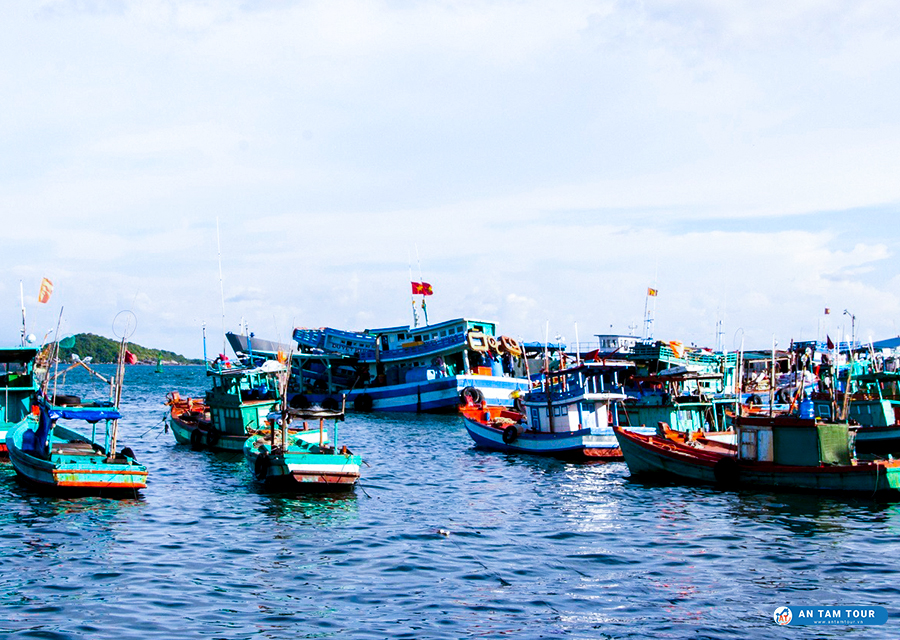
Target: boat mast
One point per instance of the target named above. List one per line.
(22, 298)
(412, 296)
(117, 398)
(424, 308)
(221, 283)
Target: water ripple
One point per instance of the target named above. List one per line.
(441, 540)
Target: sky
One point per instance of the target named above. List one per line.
(279, 164)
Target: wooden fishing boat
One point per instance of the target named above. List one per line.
(18, 389)
(784, 452)
(235, 407)
(61, 460)
(570, 417)
(283, 459)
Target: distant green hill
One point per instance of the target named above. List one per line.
(105, 350)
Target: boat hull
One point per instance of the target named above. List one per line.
(878, 440)
(302, 467)
(428, 396)
(578, 445)
(74, 465)
(201, 438)
(656, 456)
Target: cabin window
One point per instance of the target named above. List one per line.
(824, 411)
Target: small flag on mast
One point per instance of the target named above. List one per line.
(827, 311)
(46, 290)
(652, 292)
(422, 288)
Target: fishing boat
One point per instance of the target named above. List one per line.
(18, 389)
(60, 459)
(283, 460)
(402, 368)
(234, 408)
(872, 403)
(570, 416)
(688, 389)
(782, 451)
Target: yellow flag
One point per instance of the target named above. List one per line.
(46, 290)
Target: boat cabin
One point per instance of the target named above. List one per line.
(17, 382)
(575, 399)
(241, 398)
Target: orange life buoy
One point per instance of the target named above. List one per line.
(510, 345)
(477, 341)
(493, 344)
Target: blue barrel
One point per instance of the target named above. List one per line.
(807, 409)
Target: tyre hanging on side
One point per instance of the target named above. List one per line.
(471, 396)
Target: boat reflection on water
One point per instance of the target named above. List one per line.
(314, 509)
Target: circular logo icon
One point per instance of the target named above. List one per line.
(783, 615)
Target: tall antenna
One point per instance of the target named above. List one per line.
(22, 298)
(221, 283)
(424, 308)
(412, 296)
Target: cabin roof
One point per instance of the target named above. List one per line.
(429, 327)
(18, 354)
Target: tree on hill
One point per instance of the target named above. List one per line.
(105, 350)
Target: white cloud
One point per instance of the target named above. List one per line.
(549, 162)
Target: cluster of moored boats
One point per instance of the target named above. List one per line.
(813, 417)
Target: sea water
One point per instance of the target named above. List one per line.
(439, 540)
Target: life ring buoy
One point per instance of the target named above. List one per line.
(753, 400)
(261, 466)
(477, 341)
(511, 345)
(510, 434)
(493, 344)
(212, 436)
(196, 440)
(471, 396)
(363, 402)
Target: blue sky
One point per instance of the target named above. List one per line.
(546, 162)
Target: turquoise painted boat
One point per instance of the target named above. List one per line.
(234, 408)
(61, 460)
(774, 452)
(688, 389)
(283, 459)
(18, 389)
(874, 405)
